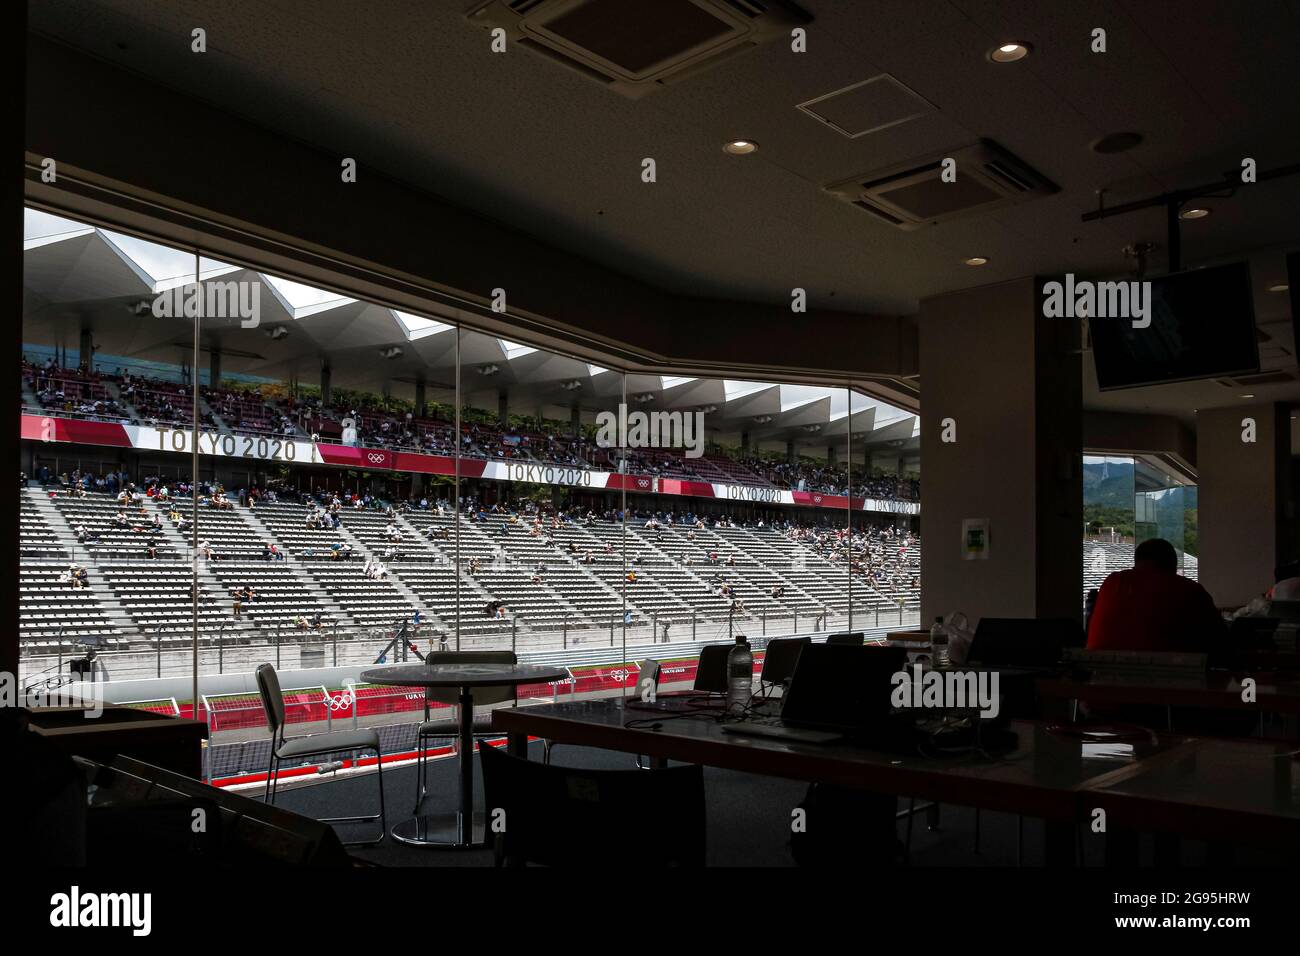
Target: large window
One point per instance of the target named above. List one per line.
(226, 466)
(1127, 500)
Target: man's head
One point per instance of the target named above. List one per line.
(1157, 553)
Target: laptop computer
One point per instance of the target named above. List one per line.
(847, 638)
(837, 691)
(1025, 642)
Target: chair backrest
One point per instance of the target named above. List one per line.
(483, 696)
(563, 816)
(780, 657)
(268, 685)
(711, 670)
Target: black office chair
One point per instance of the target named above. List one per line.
(315, 745)
(482, 696)
(562, 816)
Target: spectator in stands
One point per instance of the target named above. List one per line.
(1150, 607)
(151, 551)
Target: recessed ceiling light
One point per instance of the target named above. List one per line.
(1196, 212)
(740, 147)
(976, 261)
(1009, 52)
(1249, 395)
(1278, 287)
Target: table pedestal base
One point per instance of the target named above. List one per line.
(444, 830)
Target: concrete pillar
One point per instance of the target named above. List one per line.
(789, 450)
(1245, 511)
(831, 457)
(87, 351)
(214, 368)
(503, 408)
(421, 405)
(744, 443)
(575, 420)
(325, 382)
(1011, 381)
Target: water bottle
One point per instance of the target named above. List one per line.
(938, 644)
(740, 675)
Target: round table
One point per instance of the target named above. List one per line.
(463, 828)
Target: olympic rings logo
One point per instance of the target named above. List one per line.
(376, 457)
(619, 676)
(342, 702)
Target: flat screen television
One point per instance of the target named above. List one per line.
(1202, 326)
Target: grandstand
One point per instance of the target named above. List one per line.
(557, 576)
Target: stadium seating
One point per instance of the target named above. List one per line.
(568, 576)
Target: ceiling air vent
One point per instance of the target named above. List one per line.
(912, 194)
(635, 47)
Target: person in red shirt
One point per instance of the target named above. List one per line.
(1151, 607)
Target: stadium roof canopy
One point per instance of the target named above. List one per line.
(78, 277)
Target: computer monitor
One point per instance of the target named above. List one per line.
(842, 688)
(780, 657)
(1023, 641)
(711, 671)
(847, 639)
